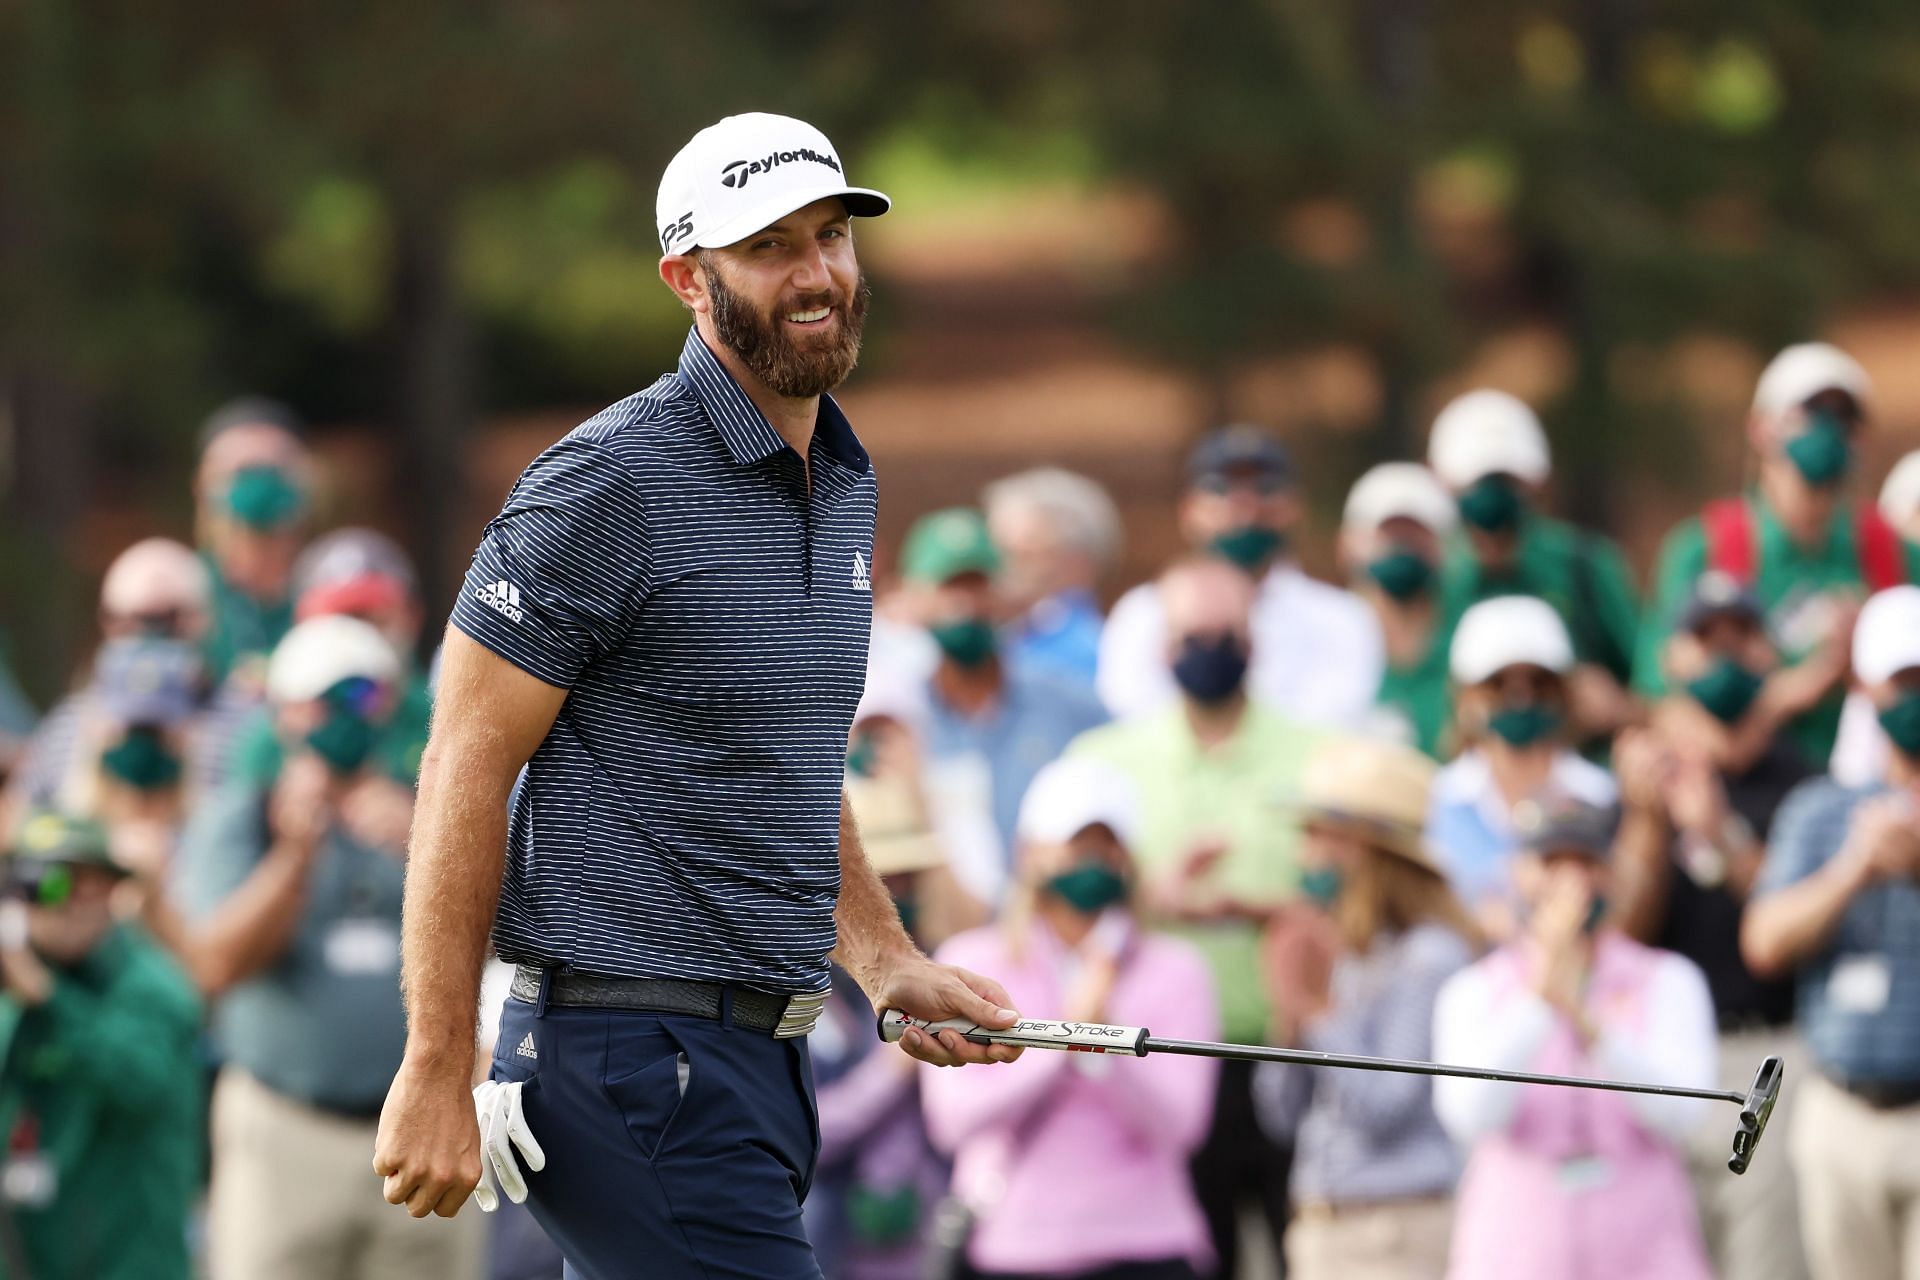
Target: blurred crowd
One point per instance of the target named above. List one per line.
(1485, 800)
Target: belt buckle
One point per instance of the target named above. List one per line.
(800, 1015)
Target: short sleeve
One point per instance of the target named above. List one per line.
(561, 571)
(1802, 839)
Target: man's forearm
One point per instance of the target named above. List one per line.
(455, 862)
(1782, 928)
(245, 933)
(870, 933)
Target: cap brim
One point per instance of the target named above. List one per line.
(861, 202)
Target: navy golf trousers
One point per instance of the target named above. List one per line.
(676, 1146)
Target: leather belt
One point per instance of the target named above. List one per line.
(782, 1015)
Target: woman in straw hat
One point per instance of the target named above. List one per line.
(878, 1178)
(1356, 968)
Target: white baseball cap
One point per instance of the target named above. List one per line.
(321, 652)
(1508, 631)
(1484, 432)
(1900, 494)
(1399, 489)
(1802, 372)
(1070, 795)
(748, 172)
(1886, 639)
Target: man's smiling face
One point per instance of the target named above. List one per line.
(790, 301)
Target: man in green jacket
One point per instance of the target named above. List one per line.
(100, 1087)
(1807, 548)
(1488, 448)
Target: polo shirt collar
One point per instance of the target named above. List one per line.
(749, 437)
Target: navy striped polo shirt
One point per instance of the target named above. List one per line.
(666, 564)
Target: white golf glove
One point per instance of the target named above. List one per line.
(503, 1126)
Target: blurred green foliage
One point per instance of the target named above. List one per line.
(417, 213)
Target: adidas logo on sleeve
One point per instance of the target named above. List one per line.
(862, 580)
(502, 597)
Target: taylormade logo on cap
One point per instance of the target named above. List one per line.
(746, 173)
(736, 174)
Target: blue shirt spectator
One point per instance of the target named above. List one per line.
(1058, 533)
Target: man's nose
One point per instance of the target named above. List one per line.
(810, 274)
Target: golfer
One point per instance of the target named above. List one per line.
(667, 625)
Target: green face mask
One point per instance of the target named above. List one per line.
(968, 642)
(861, 756)
(1322, 885)
(1492, 504)
(1822, 454)
(1727, 689)
(142, 760)
(1401, 573)
(1250, 546)
(1902, 723)
(348, 735)
(1525, 724)
(264, 498)
(1089, 887)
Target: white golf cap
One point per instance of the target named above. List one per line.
(1802, 372)
(1486, 432)
(1900, 494)
(1886, 639)
(1399, 489)
(321, 652)
(1508, 631)
(748, 172)
(1068, 796)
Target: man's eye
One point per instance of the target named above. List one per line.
(834, 233)
(765, 244)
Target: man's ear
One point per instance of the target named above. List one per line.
(683, 274)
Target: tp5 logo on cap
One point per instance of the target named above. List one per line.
(746, 173)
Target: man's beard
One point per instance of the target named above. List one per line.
(764, 346)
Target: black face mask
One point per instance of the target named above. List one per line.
(1211, 668)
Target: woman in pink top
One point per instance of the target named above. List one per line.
(1075, 1165)
(1567, 1184)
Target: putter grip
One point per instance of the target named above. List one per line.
(1028, 1033)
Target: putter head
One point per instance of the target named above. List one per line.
(1754, 1114)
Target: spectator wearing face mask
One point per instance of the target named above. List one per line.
(294, 907)
(138, 730)
(358, 573)
(1358, 965)
(1859, 752)
(1073, 1164)
(1808, 549)
(1837, 907)
(1317, 650)
(1392, 539)
(1510, 659)
(1567, 1183)
(1214, 859)
(1059, 534)
(990, 724)
(1490, 451)
(100, 1081)
(1699, 792)
(252, 499)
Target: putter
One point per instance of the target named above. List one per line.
(1756, 1105)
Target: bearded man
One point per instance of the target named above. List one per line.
(667, 625)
